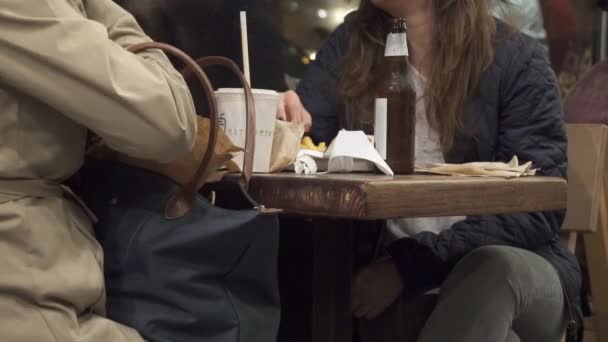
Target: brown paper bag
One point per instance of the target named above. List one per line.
(285, 144)
(182, 170)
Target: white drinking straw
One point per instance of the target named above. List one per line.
(245, 46)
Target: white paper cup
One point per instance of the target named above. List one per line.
(232, 116)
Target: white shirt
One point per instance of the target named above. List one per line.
(427, 150)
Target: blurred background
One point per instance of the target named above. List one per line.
(305, 25)
(572, 31)
(286, 34)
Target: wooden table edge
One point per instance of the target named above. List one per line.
(368, 199)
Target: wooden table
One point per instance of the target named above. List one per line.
(338, 198)
(371, 197)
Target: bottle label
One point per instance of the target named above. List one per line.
(380, 125)
(396, 45)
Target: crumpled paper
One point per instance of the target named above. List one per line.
(511, 169)
(304, 164)
(351, 151)
(183, 169)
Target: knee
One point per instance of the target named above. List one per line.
(498, 263)
(500, 255)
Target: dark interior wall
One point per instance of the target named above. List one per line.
(212, 27)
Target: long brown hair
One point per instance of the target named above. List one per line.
(462, 50)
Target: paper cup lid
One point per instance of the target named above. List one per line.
(240, 91)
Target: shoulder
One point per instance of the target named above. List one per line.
(340, 37)
(517, 53)
(334, 49)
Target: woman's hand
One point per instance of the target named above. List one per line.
(376, 287)
(291, 109)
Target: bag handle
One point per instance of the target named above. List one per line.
(182, 201)
(249, 108)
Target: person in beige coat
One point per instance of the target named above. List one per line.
(64, 68)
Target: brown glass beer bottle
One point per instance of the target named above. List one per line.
(395, 105)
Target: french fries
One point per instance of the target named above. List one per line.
(308, 144)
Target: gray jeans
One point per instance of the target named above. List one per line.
(495, 294)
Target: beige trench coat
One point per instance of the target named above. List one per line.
(63, 69)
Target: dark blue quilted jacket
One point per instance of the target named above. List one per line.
(517, 112)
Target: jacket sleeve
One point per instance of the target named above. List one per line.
(137, 103)
(531, 127)
(318, 91)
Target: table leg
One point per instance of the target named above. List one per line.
(331, 281)
(295, 279)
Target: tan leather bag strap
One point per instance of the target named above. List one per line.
(182, 201)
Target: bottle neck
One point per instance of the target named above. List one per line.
(395, 66)
(396, 45)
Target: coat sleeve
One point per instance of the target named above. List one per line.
(80, 67)
(317, 90)
(531, 127)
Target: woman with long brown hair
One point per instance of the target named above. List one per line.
(486, 92)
